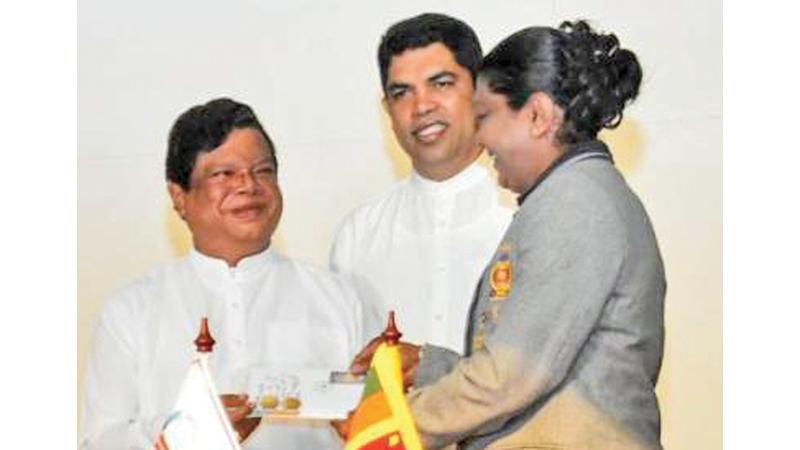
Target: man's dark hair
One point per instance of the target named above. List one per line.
(429, 28)
(203, 128)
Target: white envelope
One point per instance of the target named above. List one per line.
(276, 392)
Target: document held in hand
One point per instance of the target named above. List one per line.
(303, 393)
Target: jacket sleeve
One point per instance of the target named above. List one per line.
(111, 418)
(435, 363)
(569, 252)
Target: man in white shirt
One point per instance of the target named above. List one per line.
(421, 247)
(263, 309)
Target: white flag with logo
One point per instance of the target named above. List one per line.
(198, 421)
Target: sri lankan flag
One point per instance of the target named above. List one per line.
(382, 420)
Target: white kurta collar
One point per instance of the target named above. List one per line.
(216, 274)
(470, 176)
(454, 203)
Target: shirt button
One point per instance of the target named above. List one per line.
(238, 342)
(235, 305)
(438, 317)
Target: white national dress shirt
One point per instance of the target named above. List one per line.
(268, 310)
(420, 249)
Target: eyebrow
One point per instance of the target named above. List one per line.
(393, 85)
(443, 74)
(223, 164)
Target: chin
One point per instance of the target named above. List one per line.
(503, 182)
(253, 247)
(252, 237)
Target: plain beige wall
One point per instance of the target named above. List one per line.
(308, 68)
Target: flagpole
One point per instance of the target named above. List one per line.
(382, 419)
(205, 345)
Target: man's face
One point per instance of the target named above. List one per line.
(234, 203)
(429, 98)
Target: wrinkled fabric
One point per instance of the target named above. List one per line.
(567, 353)
(268, 310)
(419, 249)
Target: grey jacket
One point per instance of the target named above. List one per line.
(565, 336)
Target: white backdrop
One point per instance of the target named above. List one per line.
(309, 70)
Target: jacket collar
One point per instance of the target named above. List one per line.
(573, 153)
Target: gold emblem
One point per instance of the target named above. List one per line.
(502, 275)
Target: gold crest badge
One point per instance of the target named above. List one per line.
(502, 275)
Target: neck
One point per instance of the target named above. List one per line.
(550, 155)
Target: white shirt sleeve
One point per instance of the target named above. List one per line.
(111, 417)
(341, 256)
(342, 261)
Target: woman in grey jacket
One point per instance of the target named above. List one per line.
(565, 334)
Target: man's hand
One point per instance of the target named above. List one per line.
(361, 362)
(238, 408)
(409, 357)
(342, 427)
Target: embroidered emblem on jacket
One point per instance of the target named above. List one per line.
(502, 274)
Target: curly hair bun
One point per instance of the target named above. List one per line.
(600, 79)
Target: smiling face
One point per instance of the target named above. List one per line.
(233, 204)
(522, 141)
(429, 99)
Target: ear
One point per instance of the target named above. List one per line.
(543, 114)
(178, 198)
(385, 104)
(388, 110)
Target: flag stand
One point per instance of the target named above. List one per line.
(198, 420)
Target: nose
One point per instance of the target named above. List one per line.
(246, 182)
(424, 102)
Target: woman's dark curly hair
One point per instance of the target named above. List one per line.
(586, 73)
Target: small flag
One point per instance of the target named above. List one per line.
(382, 419)
(198, 421)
